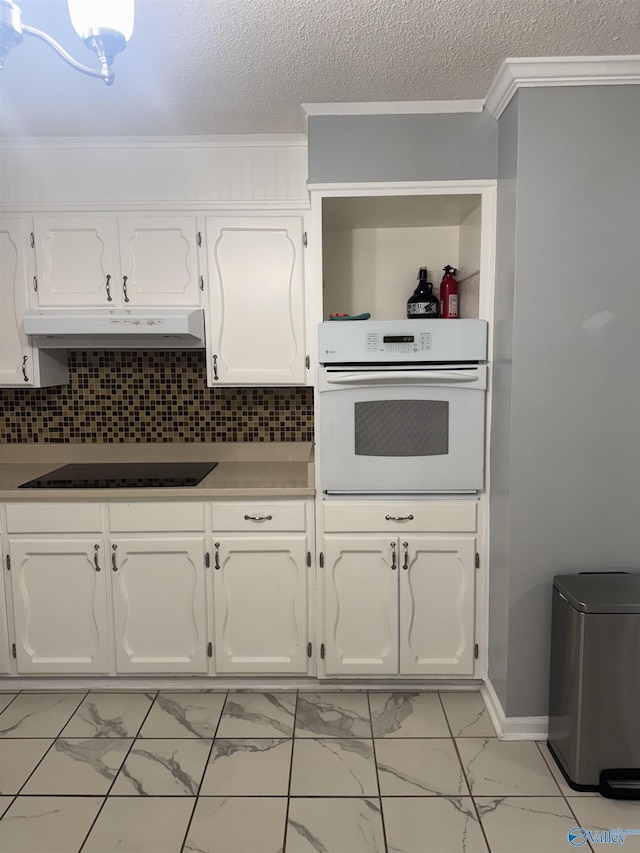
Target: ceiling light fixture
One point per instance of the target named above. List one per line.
(105, 26)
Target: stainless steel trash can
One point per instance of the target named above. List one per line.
(594, 696)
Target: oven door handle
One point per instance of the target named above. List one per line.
(403, 377)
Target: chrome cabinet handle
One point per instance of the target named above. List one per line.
(109, 297)
(96, 548)
(114, 565)
(405, 565)
(25, 358)
(398, 518)
(124, 288)
(216, 556)
(393, 556)
(215, 367)
(258, 518)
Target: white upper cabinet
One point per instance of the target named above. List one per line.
(256, 333)
(116, 263)
(20, 364)
(158, 257)
(75, 261)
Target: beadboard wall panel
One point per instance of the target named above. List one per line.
(208, 174)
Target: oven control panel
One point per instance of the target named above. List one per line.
(398, 343)
(389, 341)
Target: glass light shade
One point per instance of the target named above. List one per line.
(91, 15)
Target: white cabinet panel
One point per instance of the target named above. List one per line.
(158, 255)
(36, 517)
(116, 263)
(263, 516)
(21, 365)
(256, 286)
(60, 605)
(260, 604)
(178, 516)
(399, 517)
(5, 658)
(14, 344)
(437, 606)
(360, 618)
(159, 604)
(75, 261)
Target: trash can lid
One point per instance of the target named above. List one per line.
(601, 592)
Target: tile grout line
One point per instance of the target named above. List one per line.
(464, 772)
(106, 796)
(204, 772)
(375, 762)
(293, 744)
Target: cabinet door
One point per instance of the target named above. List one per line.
(16, 355)
(437, 584)
(259, 587)
(360, 604)
(60, 605)
(5, 659)
(75, 262)
(159, 258)
(159, 604)
(256, 288)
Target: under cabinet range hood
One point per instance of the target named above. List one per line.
(103, 328)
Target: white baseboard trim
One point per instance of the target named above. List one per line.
(195, 684)
(512, 728)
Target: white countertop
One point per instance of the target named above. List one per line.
(251, 469)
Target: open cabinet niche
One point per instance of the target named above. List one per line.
(373, 246)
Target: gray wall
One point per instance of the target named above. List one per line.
(437, 147)
(565, 444)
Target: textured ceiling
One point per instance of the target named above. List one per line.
(245, 66)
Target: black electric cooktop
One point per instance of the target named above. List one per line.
(123, 475)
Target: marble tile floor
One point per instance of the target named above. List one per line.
(249, 772)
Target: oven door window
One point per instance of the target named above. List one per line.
(401, 428)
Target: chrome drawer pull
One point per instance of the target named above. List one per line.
(393, 556)
(258, 518)
(96, 548)
(398, 517)
(114, 565)
(405, 565)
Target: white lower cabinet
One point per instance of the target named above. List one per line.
(260, 595)
(398, 604)
(159, 604)
(5, 657)
(60, 606)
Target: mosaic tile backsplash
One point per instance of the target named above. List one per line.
(151, 396)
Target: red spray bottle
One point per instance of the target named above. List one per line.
(449, 294)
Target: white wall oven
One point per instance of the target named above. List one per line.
(402, 406)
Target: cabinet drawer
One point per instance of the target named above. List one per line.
(398, 516)
(36, 517)
(259, 515)
(156, 517)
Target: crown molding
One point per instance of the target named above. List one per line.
(559, 71)
(377, 108)
(266, 140)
